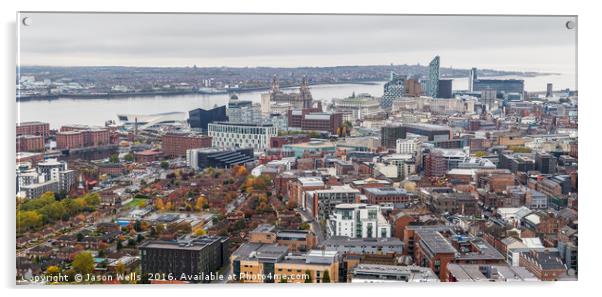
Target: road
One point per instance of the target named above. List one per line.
(235, 203)
(314, 225)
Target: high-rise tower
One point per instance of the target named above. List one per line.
(393, 89)
(472, 77)
(433, 83)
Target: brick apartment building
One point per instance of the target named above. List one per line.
(387, 195)
(176, 144)
(30, 143)
(76, 136)
(547, 266)
(69, 139)
(33, 128)
(312, 119)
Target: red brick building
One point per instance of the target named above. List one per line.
(33, 128)
(495, 180)
(386, 195)
(547, 266)
(69, 139)
(30, 143)
(111, 169)
(148, 156)
(78, 136)
(176, 144)
(279, 141)
(312, 119)
(96, 137)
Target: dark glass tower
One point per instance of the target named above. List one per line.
(433, 83)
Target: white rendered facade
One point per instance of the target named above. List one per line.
(407, 146)
(234, 135)
(359, 220)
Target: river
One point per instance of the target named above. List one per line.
(64, 111)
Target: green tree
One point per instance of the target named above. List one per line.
(304, 226)
(326, 277)
(480, 154)
(114, 158)
(83, 263)
(92, 199)
(308, 277)
(53, 270)
(129, 157)
(164, 164)
(239, 225)
(27, 220)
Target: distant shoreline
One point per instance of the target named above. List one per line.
(108, 96)
(169, 93)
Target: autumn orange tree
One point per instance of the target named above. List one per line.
(159, 204)
(239, 170)
(201, 203)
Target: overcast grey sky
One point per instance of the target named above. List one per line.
(505, 43)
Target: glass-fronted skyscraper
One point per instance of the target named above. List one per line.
(472, 77)
(394, 88)
(433, 83)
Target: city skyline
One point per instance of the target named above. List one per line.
(252, 40)
(452, 170)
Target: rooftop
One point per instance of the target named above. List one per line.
(195, 244)
(386, 191)
(383, 273)
(346, 241)
(435, 242)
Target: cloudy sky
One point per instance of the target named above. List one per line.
(505, 43)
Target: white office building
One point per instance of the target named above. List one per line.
(359, 220)
(408, 146)
(237, 135)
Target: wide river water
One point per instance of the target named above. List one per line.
(96, 111)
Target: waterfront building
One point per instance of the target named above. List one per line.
(33, 128)
(80, 136)
(472, 77)
(393, 89)
(444, 89)
(501, 86)
(237, 135)
(433, 78)
(302, 99)
(243, 111)
(30, 143)
(139, 122)
(200, 118)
